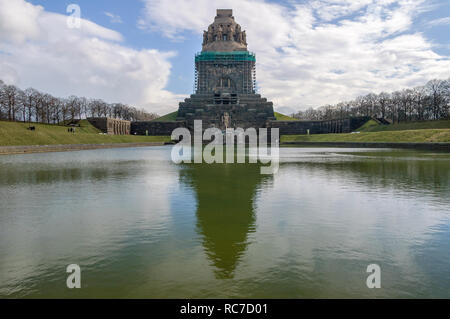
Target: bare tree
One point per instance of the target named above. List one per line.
(436, 89)
(429, 102)
(2, 100)
(32, 105)
(9, 95)
(30, 97)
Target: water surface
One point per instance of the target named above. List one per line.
(140, 226)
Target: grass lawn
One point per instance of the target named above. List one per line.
(16, 133)
(171, 117)
(368, 126)
(417, 136)
(372, 126)
(282, 117)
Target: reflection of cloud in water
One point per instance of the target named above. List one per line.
(149, 228)
(343, 209)
(80, 205)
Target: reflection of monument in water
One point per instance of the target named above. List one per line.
(225, 209)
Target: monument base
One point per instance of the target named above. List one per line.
(224, 110)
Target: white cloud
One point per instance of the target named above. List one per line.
(334, 9)
(37, 49)
(305, 60)
(441, 21)
(18, 21)
(114, 18)
(321, 52)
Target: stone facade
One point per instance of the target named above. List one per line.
(245, 110)
(227, 72)
(224, 34)
(225, 94)
(111, 126)
(155, 127)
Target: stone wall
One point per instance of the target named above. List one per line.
(318, 127)
(247, 110)
(110, 125)
(250, 119)
(155, 128)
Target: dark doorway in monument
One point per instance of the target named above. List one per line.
(223, 97)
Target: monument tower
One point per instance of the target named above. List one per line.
(225, 95)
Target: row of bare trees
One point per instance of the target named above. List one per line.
(428, 102)
(31, 105)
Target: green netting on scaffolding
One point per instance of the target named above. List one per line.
(229, 56)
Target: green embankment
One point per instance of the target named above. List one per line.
(372, 126)
(406, 136)
(16, 133)
(171, 117)
(282, 117)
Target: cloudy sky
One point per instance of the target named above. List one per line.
(141, 52)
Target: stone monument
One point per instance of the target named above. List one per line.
(225, 94)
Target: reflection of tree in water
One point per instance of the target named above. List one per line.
(46, 174)
(401, 170)
(225, 198)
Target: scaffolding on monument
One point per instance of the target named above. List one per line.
(243, 59)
